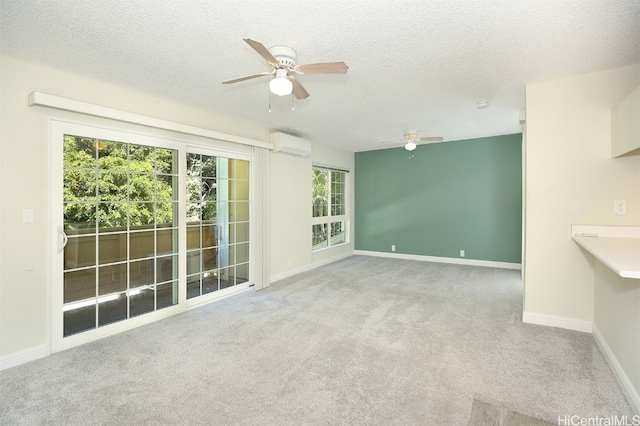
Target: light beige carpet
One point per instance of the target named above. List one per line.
(362, 341)
(485, 414)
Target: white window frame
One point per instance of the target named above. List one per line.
(327, 220)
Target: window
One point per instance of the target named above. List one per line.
(329, 209)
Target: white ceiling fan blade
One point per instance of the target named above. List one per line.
(263, 51)
(431, 139)
(249, 77)
(324, 68)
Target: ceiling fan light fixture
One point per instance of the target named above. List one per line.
(280, 85)
(410, 146)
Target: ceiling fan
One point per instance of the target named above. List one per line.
(283, 63)
(411, 140)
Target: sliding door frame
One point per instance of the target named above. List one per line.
(141, 135)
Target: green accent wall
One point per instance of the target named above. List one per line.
(451, 196)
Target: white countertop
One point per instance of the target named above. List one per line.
(615, 246)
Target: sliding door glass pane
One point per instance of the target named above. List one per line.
(242, 273)
(120, 214)
(80, 250)
(217, 219)
(141, 244)
(79, 285)
(141, 273)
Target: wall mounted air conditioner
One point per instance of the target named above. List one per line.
(291, 145)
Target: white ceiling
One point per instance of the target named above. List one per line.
(413, 65)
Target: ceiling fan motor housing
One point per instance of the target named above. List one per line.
(285, 55)
(411, 135)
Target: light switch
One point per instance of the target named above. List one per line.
(576, 207)
(27, 215)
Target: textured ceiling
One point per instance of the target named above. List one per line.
(413, 65)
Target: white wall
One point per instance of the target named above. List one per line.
(290, 210)
(617, 320)
(24, 248)
(568, 153)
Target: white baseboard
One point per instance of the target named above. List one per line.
(308, 267)
(17, 358)
(556, 321)
(627, 387)
(457, 261)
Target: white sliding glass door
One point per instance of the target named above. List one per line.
(116, 214)
(142, 228)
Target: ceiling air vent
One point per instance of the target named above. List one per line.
(292, 145)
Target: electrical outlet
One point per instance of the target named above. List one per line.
(461, 253)
(620, 207)
(393, 247)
